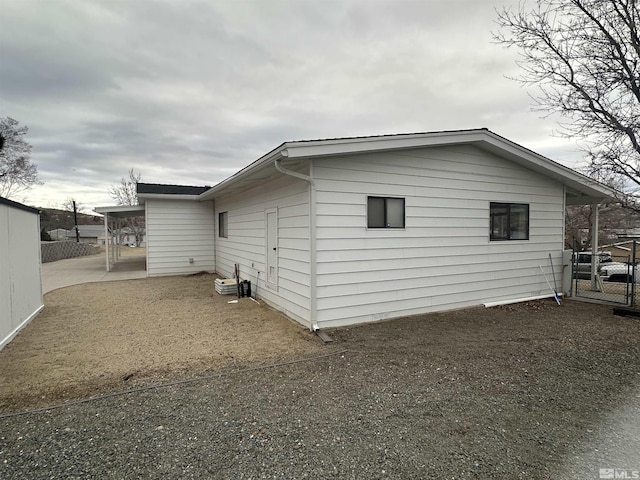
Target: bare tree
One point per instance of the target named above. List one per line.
(17, 172)
(614, 221)
(68, 205)
(126, 193)
(584, 57)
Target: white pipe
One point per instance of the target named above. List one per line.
(313, 301)
(302, 176)
(517, 300)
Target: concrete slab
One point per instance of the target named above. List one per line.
(75, 271)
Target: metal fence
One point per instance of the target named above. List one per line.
(611, 278)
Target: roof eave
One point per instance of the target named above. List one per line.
(588, 190)
(165, 196)
(262, 162)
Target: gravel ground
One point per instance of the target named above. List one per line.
(527, 391)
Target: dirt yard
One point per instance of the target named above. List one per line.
(533, 390)
(98, 337)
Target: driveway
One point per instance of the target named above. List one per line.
(528, 391)
(92, 268)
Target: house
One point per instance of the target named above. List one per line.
(622, 251)
(127, 236)
(343, 231)
(59, 234)
(88, 233)
(20, 277)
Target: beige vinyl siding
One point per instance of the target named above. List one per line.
(443, 259)
(20, 278)
(178, 230)
(245, 243)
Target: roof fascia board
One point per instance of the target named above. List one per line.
(566, 174)
(119, 208)
(437, 139)
(374, 144)
(19, 206)
(479, 137)
(166, 196)
(262, 162)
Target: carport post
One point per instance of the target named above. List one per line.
(106, 239)
(113, 240)
(595, 259)
(119, 224)
(633, 274)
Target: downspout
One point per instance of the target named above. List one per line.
(313, 301)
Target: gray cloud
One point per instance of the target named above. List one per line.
(191, 91)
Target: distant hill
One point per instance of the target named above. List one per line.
(51, 218)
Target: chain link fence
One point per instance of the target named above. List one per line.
(607, 276)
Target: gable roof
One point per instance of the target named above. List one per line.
(86, 231)
(157, 188)
(19, 206)
(580, 188)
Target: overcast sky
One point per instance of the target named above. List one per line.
(189, 92)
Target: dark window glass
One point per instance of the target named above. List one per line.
(385, 212)
(509, 221)
(222, 224)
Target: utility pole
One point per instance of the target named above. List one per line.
(75, 222)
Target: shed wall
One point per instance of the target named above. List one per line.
(245, 242)
(443, 259)
(20, 274)
(178, 230)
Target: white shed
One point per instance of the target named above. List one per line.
(20, 274)
(343, 231)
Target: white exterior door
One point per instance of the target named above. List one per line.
(271, 222)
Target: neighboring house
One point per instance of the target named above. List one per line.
(351, 230)
(88, 233)
(20, 277)
(622, 251)
(127, 236)
(59, 234)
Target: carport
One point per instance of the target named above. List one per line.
(113, 222)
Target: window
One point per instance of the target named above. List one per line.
(509, 221)
(385, 212)
(223, 224)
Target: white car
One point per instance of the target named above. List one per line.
(619, 272)
(582, 263)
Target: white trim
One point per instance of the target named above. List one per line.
(167, 196)
(147, 238)
(270, 284)
(313, 264)
(517, 300)
(12, 335)
(119, 209)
